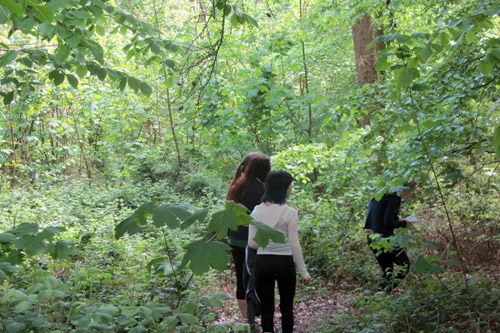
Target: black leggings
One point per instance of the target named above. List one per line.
(268, 269)
(239, 264)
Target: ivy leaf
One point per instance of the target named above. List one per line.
(265, 232)
(202, 255)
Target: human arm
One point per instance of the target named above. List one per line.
(391, 219)
(293, 239)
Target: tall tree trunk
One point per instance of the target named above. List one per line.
(366, 59)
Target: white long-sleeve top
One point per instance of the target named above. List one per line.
(288, 226)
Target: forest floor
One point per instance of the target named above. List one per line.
(314, 308)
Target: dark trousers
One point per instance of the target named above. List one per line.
(387, 260)
(239, 264)
(271, 268)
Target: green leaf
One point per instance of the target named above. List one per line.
(62, 250)
(7, 58)
(382, 65)
(169, 215)
(8, 98)
(6, 237)
(146, 89)
(81, 71)
(265, 232)
(485, 67)
(128, 225)
(229, 218)
(30, 244)
(134, 84)
(199, 215)
(421, 265)
(26, 229)
(43, 13)
(496, 141)
(73, 81)
(13, 7)
(187, 319)
(405, 76)
(74, 40)
(202, 255)
(425, 53)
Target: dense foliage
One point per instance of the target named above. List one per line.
(122, 123)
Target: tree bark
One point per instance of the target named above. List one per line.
(366, 59)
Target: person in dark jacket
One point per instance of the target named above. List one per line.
(246, 190)
(382, 219)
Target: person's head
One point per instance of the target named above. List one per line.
(410, 186)
(278, 187)
(255, 171)
(241, 167)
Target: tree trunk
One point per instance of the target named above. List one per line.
(366, 59)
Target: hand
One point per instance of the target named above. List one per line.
(306, 281)
(369, 232)
(409, 224)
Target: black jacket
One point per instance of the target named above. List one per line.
(382, 217)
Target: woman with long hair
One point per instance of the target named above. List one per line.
(246, 190)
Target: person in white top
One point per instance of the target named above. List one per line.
(277, 261)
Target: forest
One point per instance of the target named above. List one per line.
(123, 121)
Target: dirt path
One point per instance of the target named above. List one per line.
(314, 309)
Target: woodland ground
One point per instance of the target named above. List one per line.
(315, 306)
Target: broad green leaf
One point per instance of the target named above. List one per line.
(470, 36)
(128, 225)
(222, 221)
(170, 216)
(46, 30)
(6, 237)
(382, 65)
(62, 250)
(146, 89)
(8, 98)
(265, 232)
(485, 67)
(202, 255)
(405, 76)
(134, 84)
(421, 265)
(81, 71)
(72, 80)
(31, 244)
(7, 58)
(229, 218)
(199, 215)
(425, 53)
(187, 319)
(13, 7)
(496, 141)
(26, 229)
(74, 40)
(169, 83)
(43, 13)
